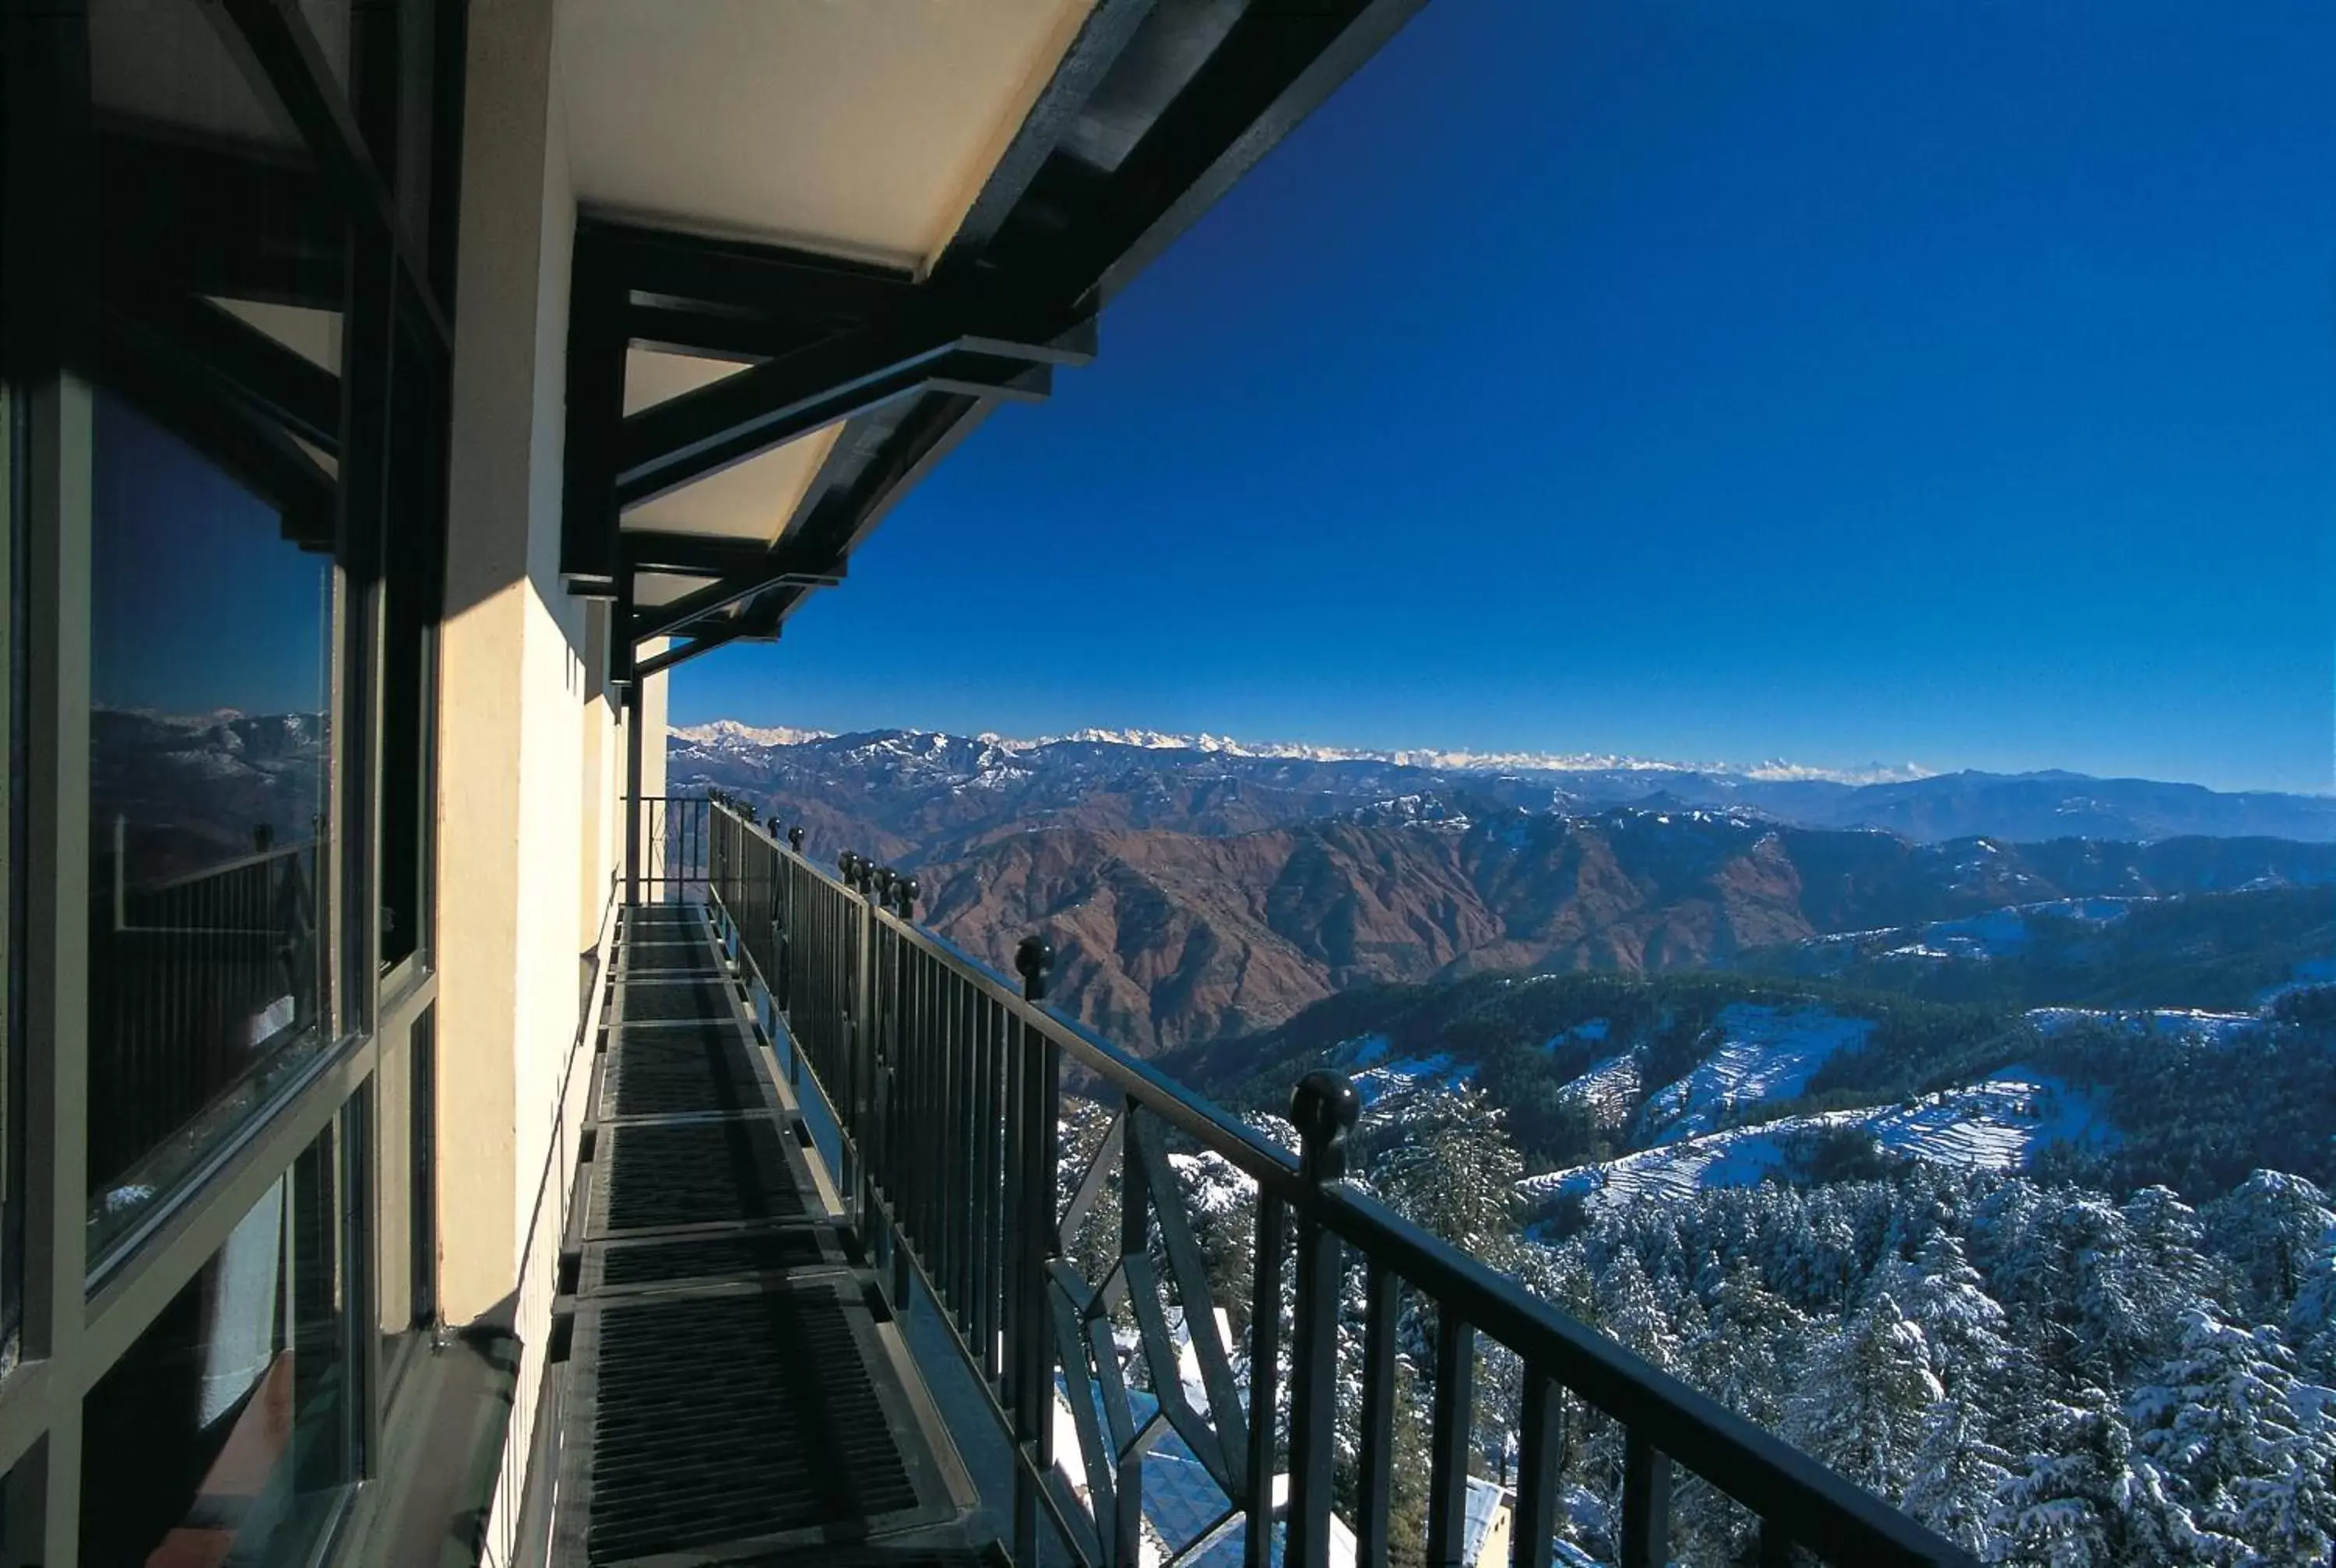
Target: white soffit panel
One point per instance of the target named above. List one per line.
(858, 127)
(749, 501)
(652, 589)
(652, 375)
(314, 335)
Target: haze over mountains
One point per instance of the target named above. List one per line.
(1200, 890)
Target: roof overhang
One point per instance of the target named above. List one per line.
(819, 241)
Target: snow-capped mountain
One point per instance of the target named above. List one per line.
(924, 786)
(730, 733)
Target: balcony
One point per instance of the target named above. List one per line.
(834, 1277)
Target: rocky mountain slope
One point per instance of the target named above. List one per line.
(1198, 891)
(1165, 938)
(906, 795)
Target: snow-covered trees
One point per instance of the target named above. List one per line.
(1446, 1163)
(2248, 1450)
(1863, 1396)
(2052, 1376)
(1956, 1473)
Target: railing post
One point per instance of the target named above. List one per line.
(1646, 1504)
(1034, 1403)
(1324, 1109)
(633, 796)
(855, 1052)
(783, 916)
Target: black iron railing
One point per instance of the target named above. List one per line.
(672, 835)
(947, 1085)
(199, 978)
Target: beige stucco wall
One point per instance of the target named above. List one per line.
(529, 825)
(653, 723)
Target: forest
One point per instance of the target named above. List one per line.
(2114, 1351)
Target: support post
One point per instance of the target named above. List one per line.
(1034, 1408)
(633, 795)
(1324, 1109)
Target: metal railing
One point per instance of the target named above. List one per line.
(198, 978)
(947, 1083)
(672, 832)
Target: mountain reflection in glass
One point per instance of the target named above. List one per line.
(210, 694)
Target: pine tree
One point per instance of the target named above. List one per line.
(1863, 1394)
(2311, 1322)
(1744, 1352)
(2084, 1503)
(1963, 1327)
(1452, 1167)
(2271, 1228)
(2221, 1422)
(1956, 1472)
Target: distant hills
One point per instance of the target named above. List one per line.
(926, 793)
(1198, 892)
(2183, 1040)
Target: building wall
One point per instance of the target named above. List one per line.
(531, 821)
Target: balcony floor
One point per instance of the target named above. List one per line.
(735, 1389)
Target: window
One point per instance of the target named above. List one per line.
(412, 588)
(211, 636)
(227, 1433)
(222, 394)
(12, 891)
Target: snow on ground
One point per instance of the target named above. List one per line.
(1438, 1071)
(1592, 1030)
(2215, 1028)
(1365, 1059)
(1765, 1053)
(1610, 1089)
(1995, 1124)
(1998, 933)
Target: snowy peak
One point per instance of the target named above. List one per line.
(730, 733)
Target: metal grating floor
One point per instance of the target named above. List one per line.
(678, 1070)
(668, 958)
(730, 1395)
(737, 1416)
(657, 1173)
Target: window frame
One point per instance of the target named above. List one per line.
(386, 136)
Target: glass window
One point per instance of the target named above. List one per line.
(411, 587)
(12, 896)
(212, 629)
(225, 1435)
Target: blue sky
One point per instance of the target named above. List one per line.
(198, 602)
(1948, 380)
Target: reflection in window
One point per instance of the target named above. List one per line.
(224, 1434)
(210, 689)
(12, 898)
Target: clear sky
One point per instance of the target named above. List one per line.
(1943, 380)
(198, 602)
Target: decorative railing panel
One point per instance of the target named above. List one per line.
(1080, 1294)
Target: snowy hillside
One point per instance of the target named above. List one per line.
(1994, 1124)
(1757, 1053)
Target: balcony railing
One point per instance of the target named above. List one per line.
(948, 1088)
(668, 837)
(203, 976)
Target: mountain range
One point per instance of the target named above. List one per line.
(1198, 890)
